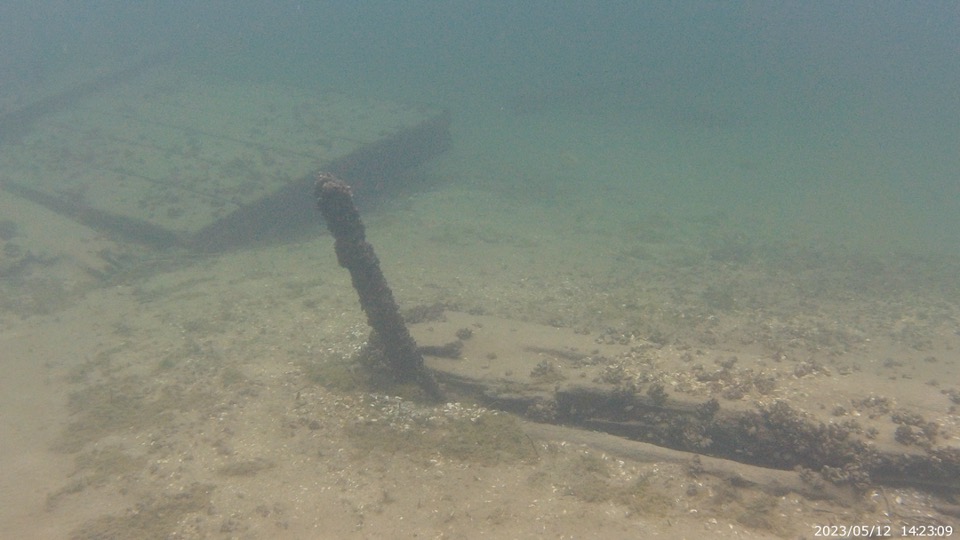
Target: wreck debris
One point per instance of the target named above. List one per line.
(505, 362)
(335, 201)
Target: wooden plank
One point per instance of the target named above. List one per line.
(184, 160)
(557, 375)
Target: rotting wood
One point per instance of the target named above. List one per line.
(168, 157)
(335, 201)
(777, 436)
(501, 368)
(771, 481)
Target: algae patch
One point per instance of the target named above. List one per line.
(95, 469)
(155, 518)
(119, 406)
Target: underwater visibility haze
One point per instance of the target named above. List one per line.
(748, 210)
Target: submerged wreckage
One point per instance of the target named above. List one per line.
(559, 376)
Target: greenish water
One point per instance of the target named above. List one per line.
(831, 122)
(834, 123)
(762, 200)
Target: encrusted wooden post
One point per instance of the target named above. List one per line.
(335, 201)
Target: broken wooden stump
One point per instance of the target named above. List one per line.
(335, 201)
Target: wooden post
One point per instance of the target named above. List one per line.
(335, 201)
